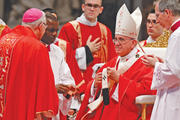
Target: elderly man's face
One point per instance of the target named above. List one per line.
(124, 44)
(162, 17)
(154, 29)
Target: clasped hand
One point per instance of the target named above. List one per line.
(112, 73)
(66, 89)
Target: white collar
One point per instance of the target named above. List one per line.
(150, 40)
(82, 19)
(128, 56)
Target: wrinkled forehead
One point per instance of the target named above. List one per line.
(122, 36)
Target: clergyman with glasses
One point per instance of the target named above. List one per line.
(90, 39)
(158, 36)
(127, 76)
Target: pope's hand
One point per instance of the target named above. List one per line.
(113, 74)
(98, 80)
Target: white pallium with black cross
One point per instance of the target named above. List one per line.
(105, 89)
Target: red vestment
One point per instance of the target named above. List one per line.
(26, 75)
(134, 82)
(78, 38)
(4, 29)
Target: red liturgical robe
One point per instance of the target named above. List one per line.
(4, 29)
(27, 82)
(77, 35)
(134, 82)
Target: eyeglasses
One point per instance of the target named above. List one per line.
(151, 21)
(92, 5)
(121, 40)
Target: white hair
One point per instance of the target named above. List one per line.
(173, 5)
(36, 23)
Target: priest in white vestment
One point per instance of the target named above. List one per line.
(166, 79)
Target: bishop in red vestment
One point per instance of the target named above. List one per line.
(27, 88)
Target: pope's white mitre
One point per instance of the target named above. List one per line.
(128, 24)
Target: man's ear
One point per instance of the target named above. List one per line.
(101, 9)
(83, 7)
(134, 42)
(168, 12)
(38, 29)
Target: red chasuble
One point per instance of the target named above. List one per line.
(134, 82)
(27, 82)
(77, 34)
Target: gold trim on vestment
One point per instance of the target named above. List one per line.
(103, 52)
(162, 40)
(77, 28)
(1, 28)
(7, 45)
(63, 45)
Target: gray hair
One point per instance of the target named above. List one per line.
(173, 5)
(36, 23)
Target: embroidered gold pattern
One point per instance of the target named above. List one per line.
(6, 46)
(162, 40)
(103, 53)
